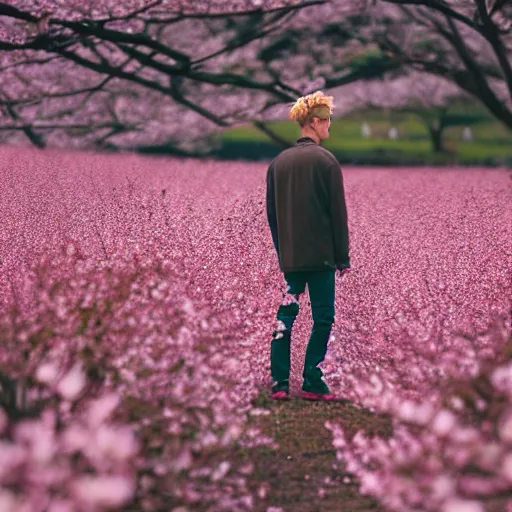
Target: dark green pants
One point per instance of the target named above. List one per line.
(321, 288)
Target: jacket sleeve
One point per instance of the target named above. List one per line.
(339, 218)
(271, 207)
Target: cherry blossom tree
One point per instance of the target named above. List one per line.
(426, 96)
(71, 356)
(468, 43)
(166, 73)
(445, 47)
(448, 453)
(128, 75)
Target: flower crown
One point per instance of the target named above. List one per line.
(312, 105)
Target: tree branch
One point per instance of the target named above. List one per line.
(490, 31)
(104, 69)
(497, 6)
(216, 79)
(438, 6)
(485, 92)
(488, 69)
(29, 62)
(37, 140)
(244, 40)
(257, 10)
(263, 127)
(13, 12)
(38, 99)
(375, 68)
(472, 79)
(114, 36)
(89, 127)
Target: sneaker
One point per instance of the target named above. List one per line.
(280, 395)
(280, 391)
(319, 397)
(317, 386)
(317, 390)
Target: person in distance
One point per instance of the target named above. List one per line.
(308, 221)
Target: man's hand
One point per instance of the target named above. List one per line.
(343, 271)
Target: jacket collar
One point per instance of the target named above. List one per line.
(304, 140)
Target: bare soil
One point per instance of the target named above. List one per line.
(303, 475)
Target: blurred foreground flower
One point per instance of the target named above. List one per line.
(453, 455)
(66, 457)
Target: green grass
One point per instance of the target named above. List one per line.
(306, 456)
(492, 139)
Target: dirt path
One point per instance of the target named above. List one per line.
(304, 475)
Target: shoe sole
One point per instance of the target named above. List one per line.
(318, 397)
(280, 395)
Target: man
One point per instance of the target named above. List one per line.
(308, 220)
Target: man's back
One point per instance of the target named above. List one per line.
(306, 208)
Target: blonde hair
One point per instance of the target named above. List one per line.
(312, 105)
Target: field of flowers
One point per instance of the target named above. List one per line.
(138, 298)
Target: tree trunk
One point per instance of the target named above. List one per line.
(435, 121)
(436, 139)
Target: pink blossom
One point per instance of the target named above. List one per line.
(59, 505)
(182, 461)
(180, 385)
(221, 471)
(232, 433)
(209, 439)
(103, 491)
(407, 411)
(76, 438)
(116, 443)
(464, 435)
(8, 501)
(443, 487)
(443, 422)
(102, 408)
(502, 377)
(47, 373)
(506, 468)
(12, 457)
(71, 385)
(258, 411)
(39, 439)
(505, 426)
(369, 483)
(458, 505)
(489, 456)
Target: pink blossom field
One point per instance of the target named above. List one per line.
(138, 299)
